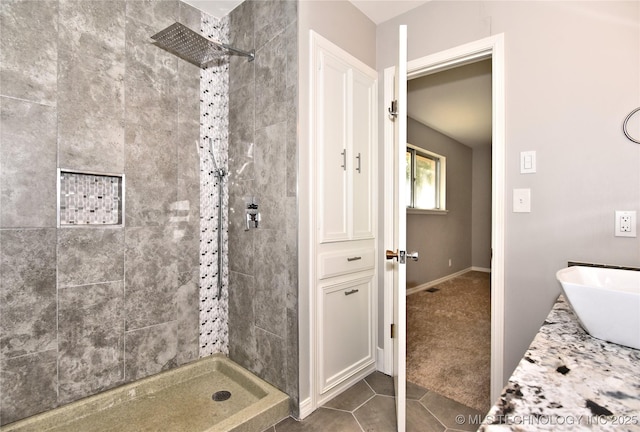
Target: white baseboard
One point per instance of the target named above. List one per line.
(481, 269)
(305, 408)
(380, 359)
(428, 285)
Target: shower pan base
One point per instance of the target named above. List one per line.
(176, 400)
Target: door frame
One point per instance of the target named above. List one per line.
(490, 47)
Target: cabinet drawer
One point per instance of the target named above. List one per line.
(343, 262)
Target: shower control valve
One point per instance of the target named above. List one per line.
(252, 216)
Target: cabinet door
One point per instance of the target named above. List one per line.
(331, 133)
(362, 127)
(344, 123)
(346, 330)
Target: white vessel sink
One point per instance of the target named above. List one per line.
(606, 301)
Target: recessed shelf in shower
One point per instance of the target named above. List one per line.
(90, 198)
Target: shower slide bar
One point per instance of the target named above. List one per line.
(220, 173)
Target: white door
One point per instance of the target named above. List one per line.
(400, 231)
(395, 275)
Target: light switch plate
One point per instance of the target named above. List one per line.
(527, 162)
(522, 200)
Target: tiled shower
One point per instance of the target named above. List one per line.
(263, 263)
(87, 308)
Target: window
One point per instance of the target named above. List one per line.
(425, 185)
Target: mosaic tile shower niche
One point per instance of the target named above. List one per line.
(90, 199)
(214, 121)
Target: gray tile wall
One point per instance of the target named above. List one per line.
(263, 285)
(84, 309)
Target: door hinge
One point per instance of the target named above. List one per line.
(393, 109)
(393, 331)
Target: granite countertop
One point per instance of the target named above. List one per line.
(569, 380)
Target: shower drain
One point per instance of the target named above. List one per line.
(221, 396)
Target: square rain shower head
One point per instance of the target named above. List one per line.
(191, 46)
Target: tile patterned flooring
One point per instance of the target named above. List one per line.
(369, 406)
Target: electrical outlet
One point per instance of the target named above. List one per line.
(625, 225)
(522, 200)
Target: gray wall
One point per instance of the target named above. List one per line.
(440, 237)
(263, 279)
(481, 208)
(88, 308)
(572, 76)
(343, 24)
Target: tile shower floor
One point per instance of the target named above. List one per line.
(369, 406)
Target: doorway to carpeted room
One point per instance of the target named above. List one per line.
(449, 339)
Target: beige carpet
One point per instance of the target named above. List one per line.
(449, 339)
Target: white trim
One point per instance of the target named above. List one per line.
(451, 58)
(428, 285)
(432, 212)
(379, 359)
(498, 185)
(306, 408)
(490, 47)
(307, 156)
(481, 269)
(441, 178)
(344, 385)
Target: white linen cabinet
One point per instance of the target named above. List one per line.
(344, 140)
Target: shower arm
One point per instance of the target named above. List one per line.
(250, 54)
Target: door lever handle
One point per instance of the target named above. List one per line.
(401, 256)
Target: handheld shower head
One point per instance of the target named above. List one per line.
(220, 172)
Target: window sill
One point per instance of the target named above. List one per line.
(427, 212)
